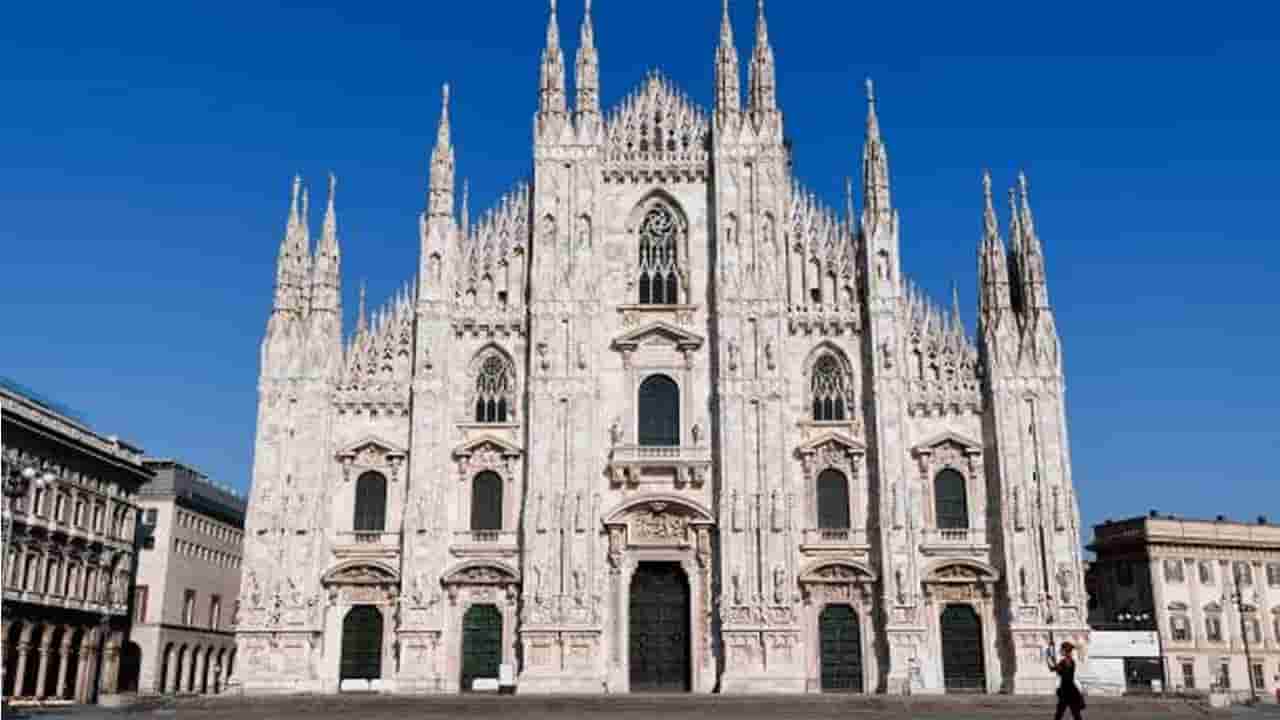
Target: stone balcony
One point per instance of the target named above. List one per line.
(681, 466)
(821, 541)
(485, 543)
(954, 541)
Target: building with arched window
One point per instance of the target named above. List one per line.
(661, 419)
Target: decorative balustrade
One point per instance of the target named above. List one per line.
(964, 539)
(369, 539)
(692, 464)
(485, 542)
(835, 538)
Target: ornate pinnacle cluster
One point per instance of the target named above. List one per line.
(326, 283)
(440, 196)
(929, 324)
(633, 126)
(380, 350)
(1015, 318)
(819, 235)
(493, 251)
(293, 263)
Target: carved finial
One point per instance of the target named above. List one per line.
(986, 185)
(1022, 184)
(871, 92)
(361, 322)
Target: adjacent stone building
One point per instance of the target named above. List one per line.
(70, 558)
(1185, 575)
(188, 579)
(661, 420)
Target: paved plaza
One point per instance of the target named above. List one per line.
(638, 707)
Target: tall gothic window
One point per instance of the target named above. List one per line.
(371, 503)
(486, 502)
(659, 412)
(495, 390)
(659, 262)
(833, 501)
(952, 503)
(828, 387)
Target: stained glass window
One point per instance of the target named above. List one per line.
(495, 390)
(659, 262)
(486, 502)
(828, 387)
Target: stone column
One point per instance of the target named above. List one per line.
(108, 682)
(169, 683)
(61, 691)
(197, 667)
(20, 672)
(5, 625)
(42, 674)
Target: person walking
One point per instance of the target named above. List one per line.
(1069, 695)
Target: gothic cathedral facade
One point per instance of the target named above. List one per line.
(660, 420)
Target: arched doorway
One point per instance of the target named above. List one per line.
(481, 644)
(659, 629)
(963, 666)
(362, 644)
(130, 667)
(840, 639)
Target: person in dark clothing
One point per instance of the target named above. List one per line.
(1068, 692)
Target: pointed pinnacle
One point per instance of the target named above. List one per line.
(361, 321)
(553, 29)
(442, 133)
(955, 303)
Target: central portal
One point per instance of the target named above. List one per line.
(659, 629)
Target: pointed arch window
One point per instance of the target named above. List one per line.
(659, 412)
(659, 271)
(486, 501)
(829, 389)
(952, 503)
(495, 390)
(371, 503)
(833, 500)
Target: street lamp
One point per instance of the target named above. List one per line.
(1146, 620)
(1237, 596)
(16, 482)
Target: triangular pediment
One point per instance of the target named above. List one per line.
(948, 437)
(371, 445)
(837, 439)
(487, 442)
(659, 333)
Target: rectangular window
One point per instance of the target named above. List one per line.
(1181, 628)
(1273, 574)
(1173, 571)
(1206, 572)
(1255, 631)
(1188, 675)
(1259, 677)
(1124, 573)
(1224, 675)
(151, 516)
(97, 518)
(1243, 573)
(215, 611)
(1213, 628)
(189, 607)
(140, 604)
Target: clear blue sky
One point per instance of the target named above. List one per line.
(146, 151)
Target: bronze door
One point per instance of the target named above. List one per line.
(963, 669)
(840, 637)
(659, 629)
(362, 644)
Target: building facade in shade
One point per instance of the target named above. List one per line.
(192, 532)
(1211, 588)
(660, 419)
(69, 561)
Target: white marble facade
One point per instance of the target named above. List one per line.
(660, 245)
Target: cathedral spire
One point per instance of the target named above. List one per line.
(292, 262)
(326, 266)
(465, 219)
(1031, 260)
(587, 80)
(763, 94)
(875, 166)
(728, 89)
(440, 195)
(551, 94)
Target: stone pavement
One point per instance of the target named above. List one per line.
(635, 707)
